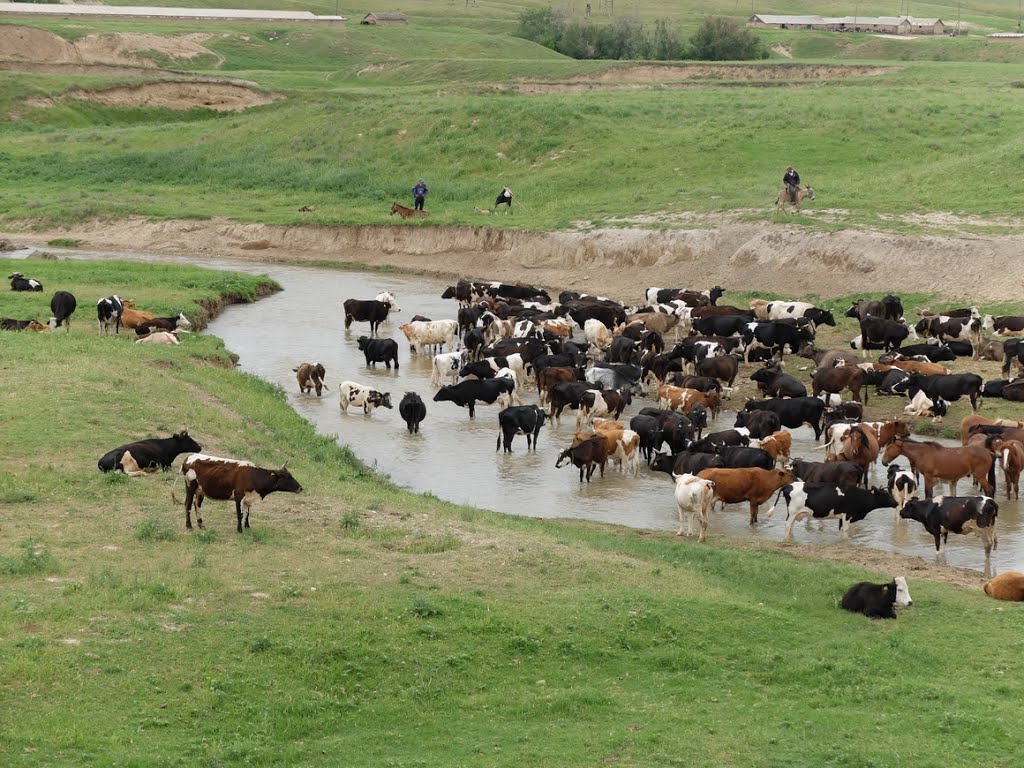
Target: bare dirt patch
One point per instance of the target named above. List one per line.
(38, 46)
(179, 95)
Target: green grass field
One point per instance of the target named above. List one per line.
(357, 624)
(368, 111)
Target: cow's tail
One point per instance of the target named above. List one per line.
(173, 497)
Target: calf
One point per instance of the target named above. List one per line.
(468, 393)
(138, 458)
(309, 376)
(20, 283)
(10, 324)
(824, 501)
(108, 313)
(589, 455)
(413, 411)
(160, 337)
(679, 398)
(230, 480)
(362, 395)
(778, 445)
(902, 485)
(379, 351)
(694, 495)
(519, 419)
(943, 515)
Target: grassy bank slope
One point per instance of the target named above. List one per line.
(368, 111)
(357, 624)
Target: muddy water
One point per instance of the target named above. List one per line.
(454, 456)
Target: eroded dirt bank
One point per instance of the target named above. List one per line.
(620, 262)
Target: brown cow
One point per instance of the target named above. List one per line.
(682, 399)
(132, 318)
(835, 380)
(310, 376)
(588, 455)
(230, 480)
(916, 366)
(753, 485)
(778, 445)
(548, 377)
(725, 368)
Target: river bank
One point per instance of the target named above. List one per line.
(776, 258)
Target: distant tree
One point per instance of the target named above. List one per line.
(624, 38)
(723, 39)
(542, 25)
(666, 44)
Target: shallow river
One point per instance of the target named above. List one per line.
(454, 456)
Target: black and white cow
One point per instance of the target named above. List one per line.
(364, 396)
(379, 351)
(616, 376)
(108, 313)
(143, 456)
(825, 501)
(519, 420)
(943, 515)
(1004, 325)
(370, 311)
(468, 393)
(950, 387)
(20, 283)
(902, 485)
(776, 335)
(943, 327)
(877, 601)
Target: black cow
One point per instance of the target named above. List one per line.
(519, 419)
(677, 429)
(994, 387)
(651, 435)
(759, 424)
(108, 313)
(468, 317)
(566, 394)
(413, 411)
(824, 501)
(890, 379)
(461, 291)
(610, 314)
(836, 472)
(684, 462)
(20, 283)
(949, 387)
(876, 601)
(716, 441)
(820, 316)
(776, 335)
(138, 458)
(474, 342)
(738, 456)
(63, 305)
(379, 351)
(889, 308)
(622, 350)
(722, 325)
(522, 292)
(772, 382)
(467, 393)
(369, 311)
(880, 333)
(944, 515)
(792, 412)
(1013, 351)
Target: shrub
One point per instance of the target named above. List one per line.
(722, 39)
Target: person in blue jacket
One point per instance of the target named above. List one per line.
(419, 194)
(792, 181)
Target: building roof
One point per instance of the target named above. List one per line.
(387, 16)
(848, 20)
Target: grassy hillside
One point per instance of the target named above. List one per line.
(356, 624)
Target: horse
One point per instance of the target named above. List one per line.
(860, 445)
(783, 198)
(936, 462)
(407, 213)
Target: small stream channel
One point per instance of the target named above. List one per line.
(454, 456)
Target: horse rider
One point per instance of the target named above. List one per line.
(505, 198)
(792, 181)
(419, 194)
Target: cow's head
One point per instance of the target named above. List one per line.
(917, 509)
(363, 342)
(185, 443)
(882, 498)
(386, 297)
(283, 480)
(902, 592)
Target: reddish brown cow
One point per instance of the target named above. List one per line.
(548, 377)
(753, 485)
(722, 367)
(230, 480)
(835, 380)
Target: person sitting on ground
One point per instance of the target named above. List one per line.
(792, 181)
(419, 194)
(504, 198)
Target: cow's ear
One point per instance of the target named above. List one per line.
(885, 588)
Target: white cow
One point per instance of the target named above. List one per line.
(508, 373)
(596, 333)
(159, 337)
(446, 367)
(695, 496)
(422, 333)
(362, 395)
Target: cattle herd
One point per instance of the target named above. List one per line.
(683, 350)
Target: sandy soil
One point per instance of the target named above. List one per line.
(619, 262)
(176, 94)
(31, 45)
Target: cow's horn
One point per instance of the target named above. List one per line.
(284, 466)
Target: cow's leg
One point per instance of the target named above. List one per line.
(790, 522)
(199, 505)
(679, 512)
(753, 512)
(190, 494)
(238, 513)
(248, 509)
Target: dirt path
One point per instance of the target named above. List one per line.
(618, 262)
